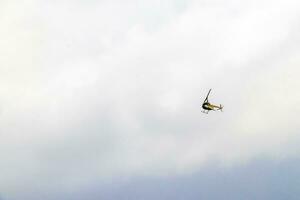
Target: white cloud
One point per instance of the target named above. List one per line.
(94, 90)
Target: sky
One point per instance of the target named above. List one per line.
(102, 99)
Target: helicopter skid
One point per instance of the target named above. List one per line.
(203, 111)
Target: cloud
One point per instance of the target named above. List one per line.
(96, 90)
(261, 179)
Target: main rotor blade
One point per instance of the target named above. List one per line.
(207, 95)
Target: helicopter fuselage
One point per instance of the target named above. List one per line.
(207, 106)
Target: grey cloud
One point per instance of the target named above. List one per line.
(103, 94)
(261, 179)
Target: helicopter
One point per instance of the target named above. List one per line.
(208, 106)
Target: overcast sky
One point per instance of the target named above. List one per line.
(104, 97)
